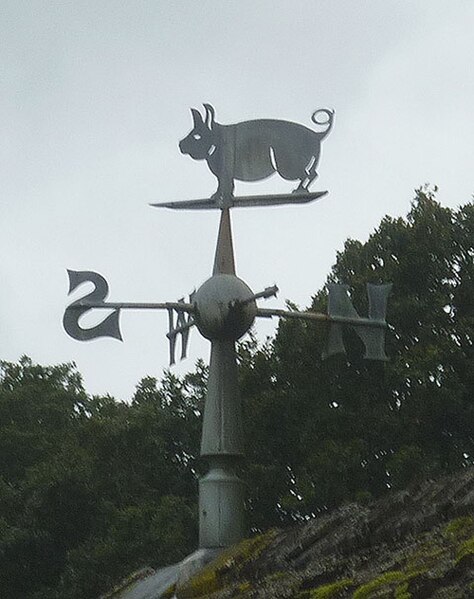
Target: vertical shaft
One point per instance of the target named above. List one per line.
(224, 263)
(221, 497)
(222, 425)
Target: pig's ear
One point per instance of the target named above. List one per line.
(210, 115)
(197, 118)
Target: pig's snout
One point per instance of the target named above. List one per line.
(182, 147)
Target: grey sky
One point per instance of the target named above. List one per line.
(95, 97)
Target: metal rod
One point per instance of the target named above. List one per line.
(180, 329)
(271, 312)
(243, 201)
(135, 306)
(317, 316)
(267, 292)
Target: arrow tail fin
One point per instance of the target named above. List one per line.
(372, 334)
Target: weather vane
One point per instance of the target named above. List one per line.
(224, 307)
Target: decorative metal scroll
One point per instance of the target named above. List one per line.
(109, 327)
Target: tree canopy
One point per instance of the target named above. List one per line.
(92, 488)
(348, 428)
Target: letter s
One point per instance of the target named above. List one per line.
(109, 327)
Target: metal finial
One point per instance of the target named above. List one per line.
(224, 262)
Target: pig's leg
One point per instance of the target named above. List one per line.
(221, 164)
(225, 189)
(310, 176)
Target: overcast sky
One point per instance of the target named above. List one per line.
(95, 96)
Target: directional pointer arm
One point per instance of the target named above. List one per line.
(371, 330)
(182, 307)
(318, 316)
(179, 313)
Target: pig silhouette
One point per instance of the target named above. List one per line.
(254, 150)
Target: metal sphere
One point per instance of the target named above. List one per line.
(219, 311)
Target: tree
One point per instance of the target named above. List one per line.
(349, 429)
(91, 487)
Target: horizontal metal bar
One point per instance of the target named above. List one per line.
(317, 316)
(267, 292)
(180, 329)
(271, 312)
(135, 306)
(202, 204)
(243, 201)
(277, 200)
(359, 322)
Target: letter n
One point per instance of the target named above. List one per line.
(371, 330)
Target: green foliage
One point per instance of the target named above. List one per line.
(466, 549)
(91, 488)
(215, 576)
(460, 528)
(169, 593)
(433, 558)
(402, 592)
(387, 579)
(425, 558)
(349, 429)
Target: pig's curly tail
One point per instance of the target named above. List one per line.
(328, 121)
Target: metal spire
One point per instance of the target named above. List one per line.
(224, 262)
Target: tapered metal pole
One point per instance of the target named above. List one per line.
(221, 496)
(221, 493)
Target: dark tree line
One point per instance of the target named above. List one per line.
(92, 488)
(323, 432)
